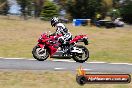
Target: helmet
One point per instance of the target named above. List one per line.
(54, 21)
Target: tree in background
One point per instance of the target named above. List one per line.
(116, 3)
(114, 13)
(60, 2)
(38, 5)
(49, 10)
(126, 11)
(84, 8)
(31, 6)
(106, 6)
(25, 7)
(109, 3)
(4, 7)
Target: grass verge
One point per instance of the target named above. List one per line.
(28, 79)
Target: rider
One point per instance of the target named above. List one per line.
(61, 29)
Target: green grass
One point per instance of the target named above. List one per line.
(17, 38)
(28, 79)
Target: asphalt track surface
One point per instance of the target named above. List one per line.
(58, 65)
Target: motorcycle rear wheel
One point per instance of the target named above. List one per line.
(39, 53)
(79, 58)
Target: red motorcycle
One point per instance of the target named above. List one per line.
(48, 45)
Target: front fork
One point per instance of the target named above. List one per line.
(41, 46)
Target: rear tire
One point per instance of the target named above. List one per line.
(40, 56)
(81, 59)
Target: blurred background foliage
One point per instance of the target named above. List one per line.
(126, 11)
(49, 10)
(45, 9)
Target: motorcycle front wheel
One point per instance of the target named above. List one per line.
(40, 54)
(81, 57)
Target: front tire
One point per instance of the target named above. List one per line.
(78, 58)
(40, 54)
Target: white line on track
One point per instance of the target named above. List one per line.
(59, 68)
(85, 69)
(63, 60)
(17, 58)
(121, 63)
(96, 62)
(76, 69)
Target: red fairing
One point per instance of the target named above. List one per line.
(52, 50)
(43, 38)
(46, 41)
(41, 45)
(77, 38)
